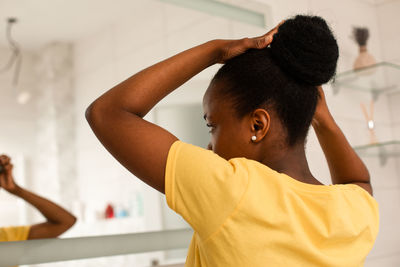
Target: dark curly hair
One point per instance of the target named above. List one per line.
(285, 75)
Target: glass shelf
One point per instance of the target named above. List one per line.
(380, 78)
(382, 150)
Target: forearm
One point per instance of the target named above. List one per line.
(51, 211)
(344, 164)
(141, 92)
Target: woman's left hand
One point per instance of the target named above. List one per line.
(233, 48)
(6, 177)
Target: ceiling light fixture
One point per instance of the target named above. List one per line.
(15, 58)
(15, 61)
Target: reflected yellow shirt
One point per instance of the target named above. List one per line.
(246, 214)
(14, 233)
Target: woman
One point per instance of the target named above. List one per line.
(252, 200)
(58, 220)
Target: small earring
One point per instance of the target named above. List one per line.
(253, 138)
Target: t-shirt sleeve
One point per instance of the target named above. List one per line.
(202, 187)
(14, 233)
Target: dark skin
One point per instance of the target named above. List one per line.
(58, 220)
(116, 118)
(269, 148)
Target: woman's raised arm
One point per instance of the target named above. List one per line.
(116, 117)
(344, 164)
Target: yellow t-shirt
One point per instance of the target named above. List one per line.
(14, 233)
(246, 214)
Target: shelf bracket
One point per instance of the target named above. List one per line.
(335, 88)
(383, 156)
(375, 95)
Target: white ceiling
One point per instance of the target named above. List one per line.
(42, 21)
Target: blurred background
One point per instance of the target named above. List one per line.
(73, 51)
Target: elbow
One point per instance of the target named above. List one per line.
(96, 113)
(56, 228)
(72, 221)
(92, 112)
(68, 223)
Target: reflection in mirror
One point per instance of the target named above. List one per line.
(70, 55)
(57, 219)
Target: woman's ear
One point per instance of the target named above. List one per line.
(260, 123)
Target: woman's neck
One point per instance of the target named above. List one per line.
(292, 162)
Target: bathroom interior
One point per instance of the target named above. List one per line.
(70, 52)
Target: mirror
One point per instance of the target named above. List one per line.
(70, 54)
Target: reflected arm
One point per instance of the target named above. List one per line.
(58, 219)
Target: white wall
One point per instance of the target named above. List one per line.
(388, 16)
(388, 193)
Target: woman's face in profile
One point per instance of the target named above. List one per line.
(230, 136)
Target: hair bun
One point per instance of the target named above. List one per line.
(304, 47)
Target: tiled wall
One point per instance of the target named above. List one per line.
(158, 30)
(55, 143)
